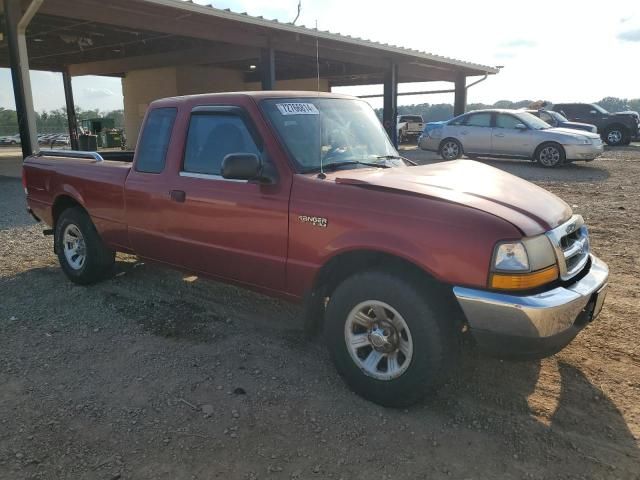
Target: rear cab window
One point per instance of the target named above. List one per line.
(151, 156)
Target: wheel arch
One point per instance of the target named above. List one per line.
(347, 263)
(63, 202)
(548, 142)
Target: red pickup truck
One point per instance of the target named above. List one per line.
(302, 196)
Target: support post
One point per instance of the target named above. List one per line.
(72, 121)
(460, 101)
(16, 26)
(390, 103)
(268, 68)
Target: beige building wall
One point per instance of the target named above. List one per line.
(141, 87)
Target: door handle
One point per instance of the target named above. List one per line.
(178, 196)
(499, 135)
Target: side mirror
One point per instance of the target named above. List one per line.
(521, 126)
(241, 166)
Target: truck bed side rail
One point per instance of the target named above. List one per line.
(72, 154)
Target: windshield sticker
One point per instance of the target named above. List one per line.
(297, 109)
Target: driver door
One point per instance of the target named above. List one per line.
(232, 229)
(509, 140)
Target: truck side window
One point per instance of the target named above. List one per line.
(213, 136)
(152, 152)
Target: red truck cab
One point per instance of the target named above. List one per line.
(302, 196)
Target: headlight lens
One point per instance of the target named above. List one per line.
(511, 257)
(523, 265)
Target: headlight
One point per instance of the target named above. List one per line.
(511, 257)
(578, 141)
(523, 265)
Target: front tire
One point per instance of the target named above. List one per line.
(450, 149)
(81, 252)
(616, 136)
(387, 340)
(550, 155)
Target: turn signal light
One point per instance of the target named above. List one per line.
(524, 281)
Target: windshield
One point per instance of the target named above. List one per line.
(532, 121)
(331, 130)
(558, 116)
(599, 108)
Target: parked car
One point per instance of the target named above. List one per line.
(10, 140)
(409, 127)
(509, 133)
(614, 128)
(304, 198)
(556, 119)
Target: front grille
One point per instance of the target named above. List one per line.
(571, 243)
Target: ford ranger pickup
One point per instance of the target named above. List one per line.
(302, 196)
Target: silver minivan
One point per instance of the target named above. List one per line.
(509, 133)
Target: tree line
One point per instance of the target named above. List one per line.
(55, 121)
(444, 111)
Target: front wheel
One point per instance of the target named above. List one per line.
(550, 155)
(81, 252)
(615, 136)
(450, 149)
(386, 338)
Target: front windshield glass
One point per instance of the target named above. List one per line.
(599, 108)
(532, 121)
(331, 130)
(558, 116)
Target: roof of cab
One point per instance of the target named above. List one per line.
(257, 95)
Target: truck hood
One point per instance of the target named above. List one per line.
(587, 127)
(530, 208)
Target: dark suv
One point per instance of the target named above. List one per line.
(614, 128)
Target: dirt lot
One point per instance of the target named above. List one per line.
(153, 375)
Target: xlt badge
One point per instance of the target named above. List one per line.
(315, 221)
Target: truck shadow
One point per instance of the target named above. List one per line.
(551, 400)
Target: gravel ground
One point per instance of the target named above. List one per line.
(154, 374)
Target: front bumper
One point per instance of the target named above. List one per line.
(533, 326)
(584, 152)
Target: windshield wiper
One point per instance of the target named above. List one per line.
(336, 165)
(396, 157)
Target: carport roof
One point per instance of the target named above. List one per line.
(111, 38)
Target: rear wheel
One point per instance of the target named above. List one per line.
(550, 155)
(450, 149)
(81, 252)
(387, 340)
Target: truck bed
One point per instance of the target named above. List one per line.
(76, 176)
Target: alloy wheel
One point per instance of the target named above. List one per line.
(450, 150)
(549, 156)
(378, 340)
(75, 250)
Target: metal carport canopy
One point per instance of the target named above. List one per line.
(94, 37)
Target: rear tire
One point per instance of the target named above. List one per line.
(81, 252)
(389, 342)
(550, 155)
(450, 149)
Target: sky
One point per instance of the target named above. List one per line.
(557, 50)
